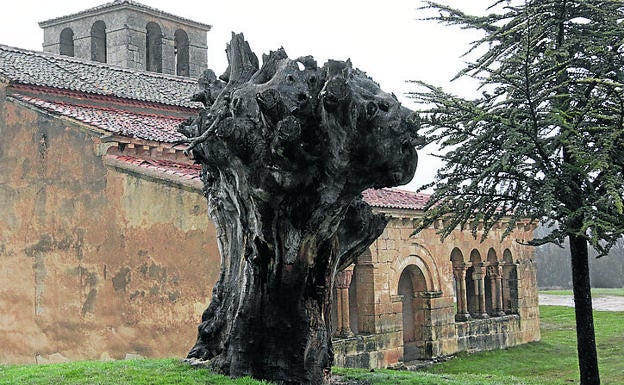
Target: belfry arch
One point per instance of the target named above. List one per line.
(98, 41)
(66, 42)
(153, 48)
(181, 51)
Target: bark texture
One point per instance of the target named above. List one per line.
(287, 149)
(583, 309)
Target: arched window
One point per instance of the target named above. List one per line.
(510, 284)
(475, 286)
(460, 280)
(181, 49)
(67, 42)
(153, 48)
(98, 41)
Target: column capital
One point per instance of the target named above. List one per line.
(343, 279)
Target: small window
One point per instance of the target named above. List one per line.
(153, 48)
(98, 42)
(67, 42)
(181, 46)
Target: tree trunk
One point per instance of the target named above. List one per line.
(286, 150)
(585, 336)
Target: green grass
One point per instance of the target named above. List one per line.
(596, 292)
(127, 372)
(395, 377)
(553, 360)
(549, 362)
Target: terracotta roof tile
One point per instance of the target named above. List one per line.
(184, 170)
(160, 128)
(19, 66)
(395, 198)
(382, 198)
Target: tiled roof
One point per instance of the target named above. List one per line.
(183, 170)
(182, 173)
(160, 128)
(21, 66)
(382, 198)
(122, 4)
(395, 199)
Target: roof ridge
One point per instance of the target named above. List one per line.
(114, 3)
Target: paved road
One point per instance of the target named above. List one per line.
(606, 303)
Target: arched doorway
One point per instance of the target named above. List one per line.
(411, 288)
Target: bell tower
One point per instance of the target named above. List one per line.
(132, 35)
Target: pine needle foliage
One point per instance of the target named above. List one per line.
(543, 141)
(545, 138)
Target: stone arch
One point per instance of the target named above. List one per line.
(507, 256)
(457, 257)
(426, 264)
(181, 50)
(510, 283)
(492, 257)
(411, 288)
(459, 284)
(472, 289)
(491, 297)
(66, 42)
(153, 47)
(98, 41)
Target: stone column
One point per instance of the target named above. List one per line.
(343, 281)
(496, 277)
(462, 304)
(479, 286)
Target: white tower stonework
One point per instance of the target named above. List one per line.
(131, 35)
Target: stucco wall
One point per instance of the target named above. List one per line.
(95, 262)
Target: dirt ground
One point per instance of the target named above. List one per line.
(605, 303)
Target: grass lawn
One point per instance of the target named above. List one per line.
(550, 362)
(596, 292)
(553, 360)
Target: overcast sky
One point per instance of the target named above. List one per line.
(383, 38)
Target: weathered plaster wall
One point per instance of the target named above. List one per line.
(95, 262)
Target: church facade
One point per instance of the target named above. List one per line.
(106, 248)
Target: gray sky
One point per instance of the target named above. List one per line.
(382, 38)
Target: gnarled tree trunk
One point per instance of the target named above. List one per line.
(286, 150)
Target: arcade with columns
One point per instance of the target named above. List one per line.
(415, 297)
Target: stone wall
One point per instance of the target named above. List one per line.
(98, 260)
(406, 297)
(126, 38)
(95, 262)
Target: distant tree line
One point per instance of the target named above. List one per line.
(553, 271)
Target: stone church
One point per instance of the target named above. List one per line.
(106, 249)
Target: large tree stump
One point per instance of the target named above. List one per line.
(286, 151)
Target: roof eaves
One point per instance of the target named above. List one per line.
(122, 4)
